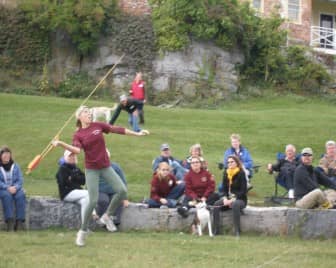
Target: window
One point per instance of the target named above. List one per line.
(256, 4)
(294, 10)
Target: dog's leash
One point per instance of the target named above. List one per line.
(35, 162)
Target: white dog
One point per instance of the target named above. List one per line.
(105, 112)
(202, 219)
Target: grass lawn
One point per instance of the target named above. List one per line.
(55, 248)
(266, 126)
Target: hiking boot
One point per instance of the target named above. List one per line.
(80, 239)
(108, 223)
(10, 225)
(19, 225)
(183, 211)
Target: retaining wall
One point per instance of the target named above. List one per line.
(46, 212)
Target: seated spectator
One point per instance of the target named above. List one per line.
(11, 192)
(194, 151)
(285, 167)
(235, 194)
(165, 190)
(105, 196)
(131, 106)
(165, 156)
(70, 180)
(328, 161)
(199, 186)
(306, 184)
(244, 156)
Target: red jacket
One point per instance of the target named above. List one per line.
(137, 90)
(200, 184)
(161, 188)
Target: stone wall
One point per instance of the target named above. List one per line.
(46, 212)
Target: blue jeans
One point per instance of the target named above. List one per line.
(179, 170)
(172, 197)
(10, 200)
(133, 121)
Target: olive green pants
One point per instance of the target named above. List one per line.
(92, 182)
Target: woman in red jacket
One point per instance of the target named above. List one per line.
(137, 92)
(199, 186)
(165, 189)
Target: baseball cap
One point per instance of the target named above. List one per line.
(123, 98)
(164, 146)
(307, 151)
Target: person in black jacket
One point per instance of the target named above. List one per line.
(306, 184)
(70, 180)
(235, 194)
(285, 166)
(131, 106)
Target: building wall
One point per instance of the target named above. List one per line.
(135, 7)
(322, 7)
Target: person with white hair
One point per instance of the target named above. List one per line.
(327, 163)
(285, 166)
(131, 106)
(70, 180)
(89, 137)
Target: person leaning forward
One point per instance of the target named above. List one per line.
(306, 184)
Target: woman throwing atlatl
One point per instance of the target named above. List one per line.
(89, 138)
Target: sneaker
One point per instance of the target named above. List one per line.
(108, 223)
(183, 211)
(163, 207)
(80, 239)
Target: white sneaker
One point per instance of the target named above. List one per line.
(108, 223)
(80, 239)
(291, 193)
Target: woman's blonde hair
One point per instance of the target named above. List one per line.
(196, 146)
(162, 165)
(235, 136)
(78, 113)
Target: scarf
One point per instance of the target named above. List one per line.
(7, 166)
(231, 172)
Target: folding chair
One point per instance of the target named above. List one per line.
(278, 180)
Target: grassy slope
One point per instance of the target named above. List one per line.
(266, 126)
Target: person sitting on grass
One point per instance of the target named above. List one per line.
(165, 189)
(194, 151)
(307, 184)
(176, 165)
(12, 194)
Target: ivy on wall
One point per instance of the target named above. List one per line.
(22, 46)
(134, 36)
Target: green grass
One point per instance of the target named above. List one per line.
(55, 248)
(266, 125)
